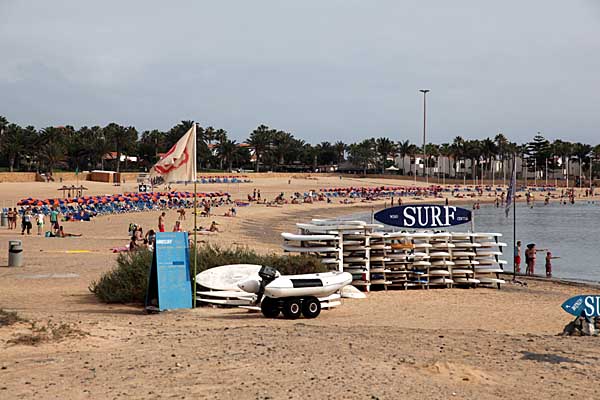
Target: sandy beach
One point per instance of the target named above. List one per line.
(457, 343)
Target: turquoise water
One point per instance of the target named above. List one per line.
(571, 232)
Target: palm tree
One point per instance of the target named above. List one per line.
(488, 153)
(122, 138)
(340, 149)
(384, 148)
(12, 143)
(403, 149)
(459, 154)
(51, 145)
(260, 140)
(473, 152)
(412, 152)
(446, 151)
(502, 147)
(581, 151)
(363, 154)
(227, 150)
(282, 144)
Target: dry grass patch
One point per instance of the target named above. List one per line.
(48, 333)
(8, 318)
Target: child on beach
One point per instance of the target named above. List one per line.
(517, 255)
(549, 258)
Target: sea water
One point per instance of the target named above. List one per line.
(571, 232)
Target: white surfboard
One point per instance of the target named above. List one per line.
(466, 280)
(488, 270)
(463, 254)
(226, 277)
(314, 249)
(466, 262)
(461, 271)
(440, 281)
(493, 244)
(439, 254)
(485, 253)
(491, 280)
(306, 238)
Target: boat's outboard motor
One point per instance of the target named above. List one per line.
(267, 275)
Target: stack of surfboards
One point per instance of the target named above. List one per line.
(489, 265)
(400, 258)
(419, 275)
(378, 259)
(381, 259)
(440, 258)
(326, 246)
(463, 256)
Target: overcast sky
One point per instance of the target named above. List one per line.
(323, 69)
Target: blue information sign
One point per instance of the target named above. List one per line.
(421, 216)
(583, 306)
(170, 286)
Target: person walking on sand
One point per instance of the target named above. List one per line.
(12, 218)
(54, 218)
(517, 255)
(161, 222)
(40, 222)
(26, 222)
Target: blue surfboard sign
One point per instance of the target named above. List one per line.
(421, 216)
(583, 306)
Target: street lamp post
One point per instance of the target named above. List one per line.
(425, 91)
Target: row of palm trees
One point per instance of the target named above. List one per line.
(30, 149)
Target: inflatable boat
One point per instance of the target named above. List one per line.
(294, 295)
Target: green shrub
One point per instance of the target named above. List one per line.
(128, 281)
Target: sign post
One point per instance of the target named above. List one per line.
(169, 283)
(583, 306)
(424, 216)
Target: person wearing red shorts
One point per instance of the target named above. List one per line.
(161, 222)
(518, 257)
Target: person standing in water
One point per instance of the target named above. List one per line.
(530, 256)
(549, 258)
(517, 254)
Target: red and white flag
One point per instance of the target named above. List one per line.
(179, 163)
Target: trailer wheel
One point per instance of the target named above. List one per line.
(311, 307)
(292, 308)
(269, 307)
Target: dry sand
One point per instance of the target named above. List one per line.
(459, 343)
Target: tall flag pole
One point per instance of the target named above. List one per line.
(179, 164)
(510, 199)
(195, 179)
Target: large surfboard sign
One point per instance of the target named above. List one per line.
(583, 306)
(421, 216)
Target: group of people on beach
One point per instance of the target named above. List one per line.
(531, 258)
(33, 215)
